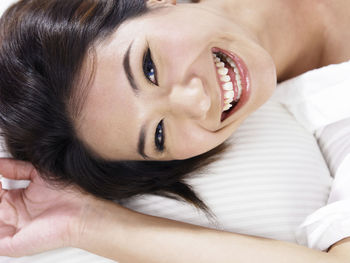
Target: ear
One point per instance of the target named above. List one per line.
(159, 3)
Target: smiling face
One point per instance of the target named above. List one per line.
(158, 91)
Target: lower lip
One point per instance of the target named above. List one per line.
(243, 72)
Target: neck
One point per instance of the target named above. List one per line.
(292, 31)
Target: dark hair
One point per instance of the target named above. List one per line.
(42, 50)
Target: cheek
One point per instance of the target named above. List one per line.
(191, 141)
(264, 81)
(261, 69)
(183, 37)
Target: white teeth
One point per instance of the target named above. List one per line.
(239, 83)
(229, 94)
(223, 71)
(220, 65)
(226, 78)
(228, 101)
(228, 86)
(228, 104)
(227, 107)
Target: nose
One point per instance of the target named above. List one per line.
(190, 100)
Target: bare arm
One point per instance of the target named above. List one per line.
(112, 231)
(127, 236)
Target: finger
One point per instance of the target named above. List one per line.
(16, 170)
(7, 231)
(2, 191)
(9, 209)
(6, 248)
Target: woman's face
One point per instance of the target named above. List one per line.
(158, 92)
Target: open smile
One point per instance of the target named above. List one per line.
(233, 80)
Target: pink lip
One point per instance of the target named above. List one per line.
(244, 73)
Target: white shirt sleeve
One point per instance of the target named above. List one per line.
(318, 97)
(319, 100)
(331, 223)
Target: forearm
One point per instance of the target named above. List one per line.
(126, 236)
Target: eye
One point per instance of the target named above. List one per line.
(159, 137)
(148, 68)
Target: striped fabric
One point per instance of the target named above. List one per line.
(334, 142)
(271, 177)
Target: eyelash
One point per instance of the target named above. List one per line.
(150, 72)
(149, 68)
(159, 137)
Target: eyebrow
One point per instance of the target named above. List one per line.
(128, 71)
(130, 76)
(141, 143)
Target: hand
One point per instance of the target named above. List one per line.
(40, 217)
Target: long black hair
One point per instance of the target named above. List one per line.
(43, 44)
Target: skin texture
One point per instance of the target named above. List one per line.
(25, 213)
(187, 95)
(109, 230)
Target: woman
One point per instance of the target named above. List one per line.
(74, 74)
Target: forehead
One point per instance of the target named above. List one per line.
(111, 117)
(109, 120)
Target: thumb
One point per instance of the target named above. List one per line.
(16, 170)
